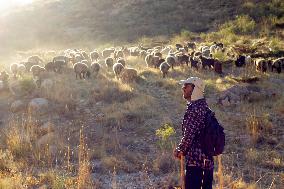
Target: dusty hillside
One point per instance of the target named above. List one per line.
(69, 21)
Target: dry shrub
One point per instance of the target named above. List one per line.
(240, 184)
(110, 93)
(109, 162)
(7, 163)
(258, 127)
(84, 172)
(164, 163)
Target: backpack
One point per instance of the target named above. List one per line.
(212, 137)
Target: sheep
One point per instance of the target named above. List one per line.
(216, 47)
(85, 55)
(158, 54)
(94, 56)
(183, 59)
(156, 61)
(149, 60)
(182, 50)
(142, 54)
(166, 50)
(160, 61)
(14, 69)
(122, 61)
(118, 54)
(178, 46)
(21, 69)
(241, 60)
(28, 65)
(49, 66)
(58, 65)
(134, 51)
(277, 65)
(164, 68)
(35, 59)
(128, 75)
(109, 62)
(107, 52)
(196, 54)
(191, 45)
(193, 63)
(261, 65)
(37, 70)
(117, 69)
(85, 61)
(205, 51)
(4, 76)
(95, 68)
(209, 62)
(66, 59)
(218, 67)
(171, 60)
(82, 70)
(78, 58)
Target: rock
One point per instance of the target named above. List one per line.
(226, 102)
(17, 106)
(38, 106)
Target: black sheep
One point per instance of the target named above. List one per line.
(194, 63)
(241, 60)
(207, 62)
(183, 59)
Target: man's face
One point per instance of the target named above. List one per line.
(187, 91)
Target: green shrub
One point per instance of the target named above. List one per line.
(164, 133)
(241, 25)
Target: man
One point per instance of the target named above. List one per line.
(199, 167)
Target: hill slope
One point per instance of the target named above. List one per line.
(73, 21)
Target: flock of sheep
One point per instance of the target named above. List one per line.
(163, 58)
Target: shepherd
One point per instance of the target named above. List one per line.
(198, 165)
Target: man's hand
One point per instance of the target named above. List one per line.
(178, 154)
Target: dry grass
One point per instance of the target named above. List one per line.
(120, 127)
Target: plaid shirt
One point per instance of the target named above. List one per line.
(192, 124)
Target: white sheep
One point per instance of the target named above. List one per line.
(94, 56)
(82, 70)
(164, 68)
(109, 62)
(95, 68)
(171, 60)
(122, 61)
(21, 69)
(128, 75)
(14, 69)
(35, 59)
(149, 60)
(117, 69)
(37, 70)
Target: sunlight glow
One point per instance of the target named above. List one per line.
(9, 4)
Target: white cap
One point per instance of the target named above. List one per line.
(199, 86)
